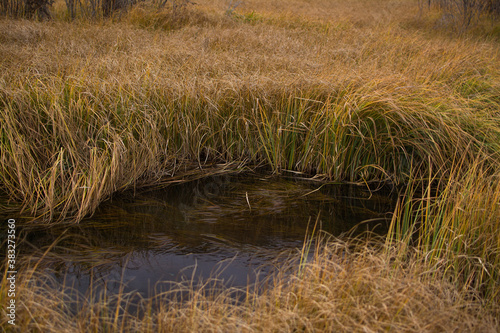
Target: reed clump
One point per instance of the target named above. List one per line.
(456, 228)
(64, 153)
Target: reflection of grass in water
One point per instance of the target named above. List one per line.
(256, 196)
(140, 226)
(342, 287)
(73, 252)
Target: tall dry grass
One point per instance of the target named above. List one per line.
(455, 228)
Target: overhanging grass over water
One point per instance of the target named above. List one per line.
(69, 145)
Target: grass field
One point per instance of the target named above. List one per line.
(358, 91)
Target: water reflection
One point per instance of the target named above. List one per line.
(234, 227)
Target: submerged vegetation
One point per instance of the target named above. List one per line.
(357, 91)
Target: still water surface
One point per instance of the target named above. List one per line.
(236, 228)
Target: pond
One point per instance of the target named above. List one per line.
(236, 228)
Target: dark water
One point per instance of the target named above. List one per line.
(236, 228)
